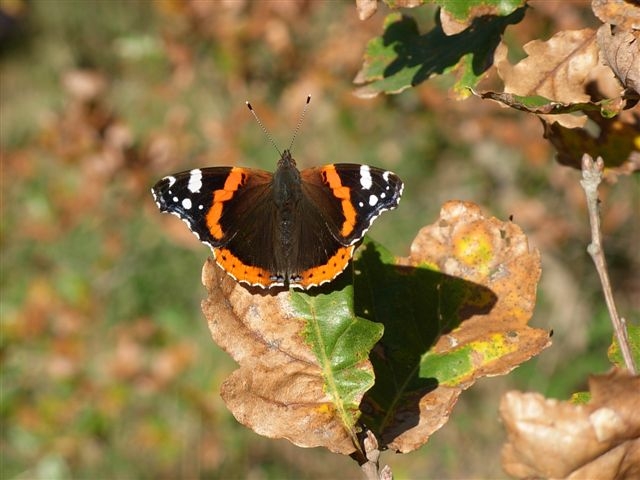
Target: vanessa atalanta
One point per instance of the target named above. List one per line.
(287, 228)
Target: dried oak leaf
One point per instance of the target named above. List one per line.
(303, 359)
(557, 69)
(620, 49)
(554, 439)
(623, 13)
(366, 8)
(617, 142)
(455, 310)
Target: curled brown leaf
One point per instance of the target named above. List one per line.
(551, 438)
(623, 13)
(620, 50)
(617, 143)
(366, 8)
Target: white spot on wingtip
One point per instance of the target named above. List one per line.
(373, 200)
(195, 181)
(186, 203)
(365, 177)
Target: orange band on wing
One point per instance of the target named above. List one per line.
(238, 270)
(329, 271)
(235, 180)
(343, 193)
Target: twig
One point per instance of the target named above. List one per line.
(591, 178)
(369, 464)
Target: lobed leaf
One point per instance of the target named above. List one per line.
(617, 142)
(548, 438)
(403, 58)
(303, 359)
(559, 69)
(455, 310)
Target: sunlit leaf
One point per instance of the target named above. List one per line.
(303, 359)
(558, 69)
(402, 57)
(548, 438)
(455, 310)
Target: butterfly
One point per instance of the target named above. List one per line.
(290, 228)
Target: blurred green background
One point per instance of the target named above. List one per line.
(108, 370)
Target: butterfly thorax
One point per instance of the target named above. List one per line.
(287, 188)
(287, 194)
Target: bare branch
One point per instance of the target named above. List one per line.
(591, 178)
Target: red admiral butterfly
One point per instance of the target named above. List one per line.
(287, 228)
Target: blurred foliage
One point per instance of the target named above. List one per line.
(108, 368)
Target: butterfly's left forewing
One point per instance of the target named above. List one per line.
(201, 197)
(190, 195)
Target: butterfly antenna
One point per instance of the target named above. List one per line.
(295, 132)
(264, 129)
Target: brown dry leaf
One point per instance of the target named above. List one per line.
(452, 25)
(621, 51)
(623, 13)
(366, 8)
(557, 69)
(284, 387)
(554, 439)
(464, 317)
(618, 143)
(495, 254)
(84, 85)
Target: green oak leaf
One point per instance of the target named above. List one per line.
(403, 58)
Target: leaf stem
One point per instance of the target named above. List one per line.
(591, 178)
